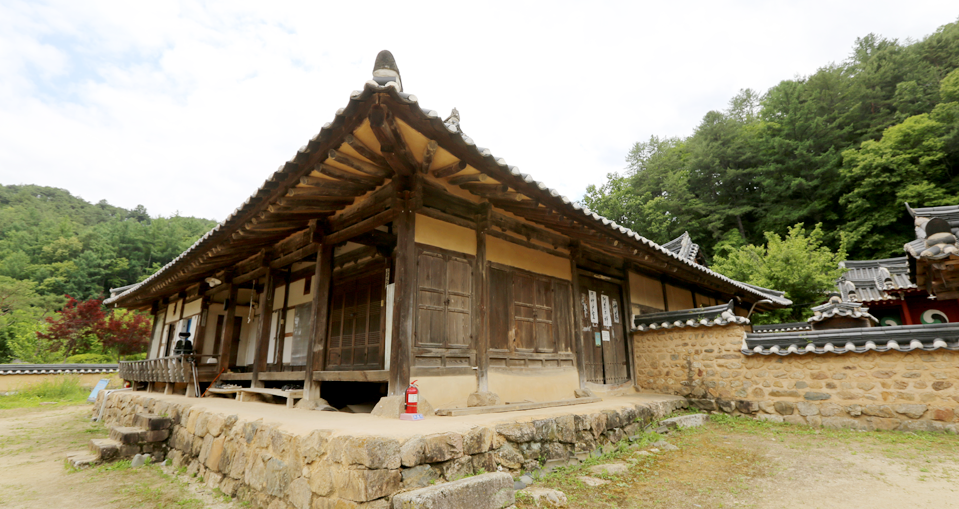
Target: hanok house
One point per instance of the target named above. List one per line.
(392, 248)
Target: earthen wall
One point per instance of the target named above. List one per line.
(890, 390)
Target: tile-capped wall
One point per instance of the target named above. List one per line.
(892, 390)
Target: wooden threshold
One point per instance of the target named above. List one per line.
(236, 376)
(495, 409)
(295, 376)
(382, 375)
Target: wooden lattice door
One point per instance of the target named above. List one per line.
(356, 324)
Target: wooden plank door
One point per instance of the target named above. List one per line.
(604, 332)
(444, 290)
(356, 338)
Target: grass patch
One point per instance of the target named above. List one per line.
(62, 389)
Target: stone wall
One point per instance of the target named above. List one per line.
(267, 466)
(891, 390)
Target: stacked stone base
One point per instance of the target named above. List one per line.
(270, 467)
(898, 417)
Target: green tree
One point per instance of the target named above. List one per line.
(798, 264)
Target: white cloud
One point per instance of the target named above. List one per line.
(188, 107)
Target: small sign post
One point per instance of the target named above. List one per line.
(102, 384)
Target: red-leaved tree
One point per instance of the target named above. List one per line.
(128, 333)
(81, 325)
(75, 329)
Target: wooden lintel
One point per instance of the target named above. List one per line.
(362, 227)
(449, 169)
(356, 178)
(250, 276)
(360, 166)
(376, 202)
(352, 376)
(295, 256)
(464, 179)
(480, 188)
(336, 185)
(365, 151)
(375, 238)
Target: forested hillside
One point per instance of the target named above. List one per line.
(54, 244)
(846, 147)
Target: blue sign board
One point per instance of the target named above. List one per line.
(102, 384)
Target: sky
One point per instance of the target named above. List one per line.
(187, 107)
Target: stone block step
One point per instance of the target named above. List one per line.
(128, 435)
(486, 491)
(132, 435)
(152, 422)
(108, 449)
(81, 459)
(105, 449)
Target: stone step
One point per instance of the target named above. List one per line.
(105, 449)
(128, 435)
(81, 459)
(108, 449)
(486, 491)
(152, 422)
(132, 435)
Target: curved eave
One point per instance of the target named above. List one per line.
(431, 124)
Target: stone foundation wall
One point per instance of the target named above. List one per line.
(269, 467)
(891, 390)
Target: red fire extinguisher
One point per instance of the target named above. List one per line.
(412, 396)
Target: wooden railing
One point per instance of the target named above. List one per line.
(175, 368)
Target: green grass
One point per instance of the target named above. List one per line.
(63, 389)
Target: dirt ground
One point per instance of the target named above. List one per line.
(734, 463)
(34, 443)
(745, 463)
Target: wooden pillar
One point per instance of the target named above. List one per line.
(906, 316)
(577, 315)
(263, 335)
(226, 340)
(316, 356)
(480, 305)
(627, 311)
(281, 321)
(404, 297)
(154, 338)
(199, 337)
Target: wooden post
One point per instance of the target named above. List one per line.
(480, 327)
(154, 338)
(226, 340)
(281, 321)
(404, 297)
(627, 310)
(662, 282)
(316, 356)
(263, 335)
(577, 315)
(199, 337)
(906, 315)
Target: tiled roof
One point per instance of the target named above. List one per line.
(683, 247)
(836, 307)
(903, 338)
(697, 317)
(53, 369)
(497, 167)
(950, 213)
(872, 280)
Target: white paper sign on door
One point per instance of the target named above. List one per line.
(593, 311)
(615, 311)
(605, 335)
(607, 317)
